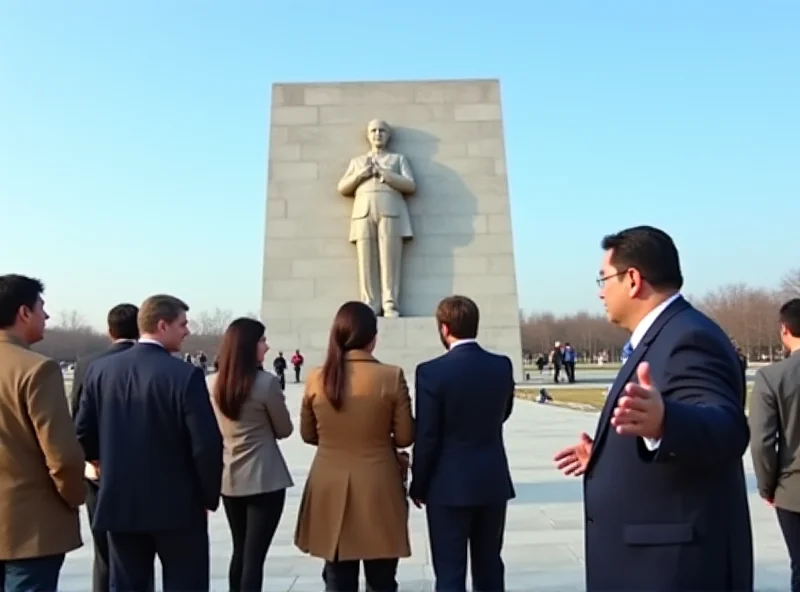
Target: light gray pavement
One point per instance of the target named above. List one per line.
(544, 538)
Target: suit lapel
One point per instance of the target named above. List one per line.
(628, 369)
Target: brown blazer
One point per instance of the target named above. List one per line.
(41, 462)
(354, 498)
(252, 460)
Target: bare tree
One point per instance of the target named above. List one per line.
(211, 322)
(790, 284)
(72, 320)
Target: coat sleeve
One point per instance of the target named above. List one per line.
(704, 421)
(764, 426)
(204, 437)
(308, 420)
(276, 409)
(55, 432)
(428, 436)
(402, 420)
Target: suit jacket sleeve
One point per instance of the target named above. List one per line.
(204, 437)
(764, 426)
(426, 447)
(276, 409)
(512, 388)
(55, 432)
(704, 421)
(402, 420)
(308, 420)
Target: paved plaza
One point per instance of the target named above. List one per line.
(544, 537)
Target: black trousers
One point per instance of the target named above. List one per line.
(100, 571)
(569, 368)
(342, 576)
(282, 379)
(253, 520)
(790, 526)
(297, 373)
(454, 529)
(183, 554)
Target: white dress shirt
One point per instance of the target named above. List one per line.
(636, 337)
(462, 342)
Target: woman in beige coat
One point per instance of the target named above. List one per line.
(357, 412)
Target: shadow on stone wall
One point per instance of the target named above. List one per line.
(443, 211)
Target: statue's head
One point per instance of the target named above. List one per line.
(378, 133)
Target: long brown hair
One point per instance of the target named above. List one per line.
(238, 365)
(354, 327)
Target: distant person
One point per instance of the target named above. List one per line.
(460, 470)
(775, 435)
(664, 489)
(146, 417)
(123, 331)
(570, 358)
(41, 462)
(557, 359)
(279, 365)
(357, 412)
(297, 363)
(252, 415)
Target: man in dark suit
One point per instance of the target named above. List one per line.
(775, 435)
(146, 417)
(664, 488)
(124, 332)
(460, 469)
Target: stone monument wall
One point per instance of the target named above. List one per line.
(452, 134)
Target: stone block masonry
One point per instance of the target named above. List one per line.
(452, 134)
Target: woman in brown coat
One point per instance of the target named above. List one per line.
(357, 412)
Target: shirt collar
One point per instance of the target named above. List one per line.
(462, 342)
(151, 342)
(650, 318)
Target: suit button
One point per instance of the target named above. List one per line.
(589, 519)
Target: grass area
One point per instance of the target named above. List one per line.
(582, 398)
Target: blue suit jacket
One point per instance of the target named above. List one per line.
(146, 416)
(676, 519)
(462, 400)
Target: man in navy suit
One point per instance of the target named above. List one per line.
(124, 332)
(146, 417)
(664, 487)
(460, 469)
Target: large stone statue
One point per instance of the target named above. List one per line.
(379, 182)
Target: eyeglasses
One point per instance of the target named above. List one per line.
(601, 281)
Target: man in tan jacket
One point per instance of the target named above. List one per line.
(41, 462)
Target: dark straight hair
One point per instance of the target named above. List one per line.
(238, 365)
(354, 328)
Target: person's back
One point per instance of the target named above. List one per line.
(474, 390)
(148, 481)
(357, 411)
(41, 462)
(460, 469)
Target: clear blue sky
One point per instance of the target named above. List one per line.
(133, 135)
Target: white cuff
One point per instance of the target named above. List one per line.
(652, 445)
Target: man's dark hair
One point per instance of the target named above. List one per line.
(17, 291)
(790, 316)
(122, 323)
(461, 316)
(651, 251)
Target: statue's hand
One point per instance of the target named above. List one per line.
(366, 173)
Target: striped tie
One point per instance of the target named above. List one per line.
(627, 350)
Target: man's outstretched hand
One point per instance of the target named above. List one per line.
(640, 409)
(572, 460)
